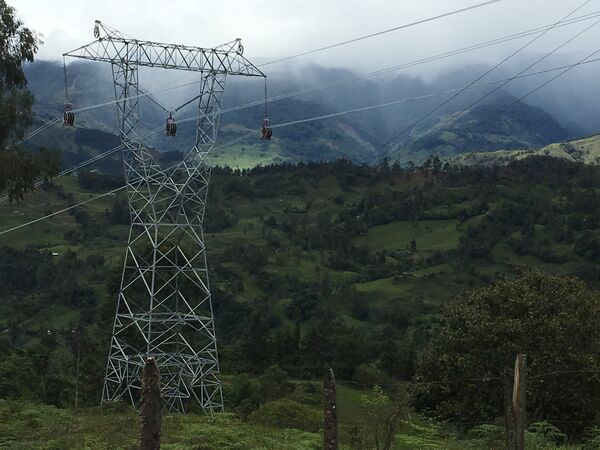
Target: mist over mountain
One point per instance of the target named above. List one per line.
(486, 127)
(564, 111)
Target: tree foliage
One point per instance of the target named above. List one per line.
(549, 318)
(19, 169)
(383, 414)
(18, 44)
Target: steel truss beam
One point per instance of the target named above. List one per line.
(111, 46)
(164, 306)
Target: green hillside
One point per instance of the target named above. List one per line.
(586, 151)
(483, 129)
(311, 225)
(322, 265)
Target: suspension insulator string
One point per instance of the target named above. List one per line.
(266, 101)
(65, 76)
(68, 114)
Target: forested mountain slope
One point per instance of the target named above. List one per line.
(348, 260)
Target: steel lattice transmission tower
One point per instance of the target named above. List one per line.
(164, 305)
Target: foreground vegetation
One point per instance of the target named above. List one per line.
(25, 426)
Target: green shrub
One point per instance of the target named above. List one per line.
(491, 436)
(308, 393)
(591, 438)
(544, 435)
(286, 413)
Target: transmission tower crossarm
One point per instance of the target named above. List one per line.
(112, 46)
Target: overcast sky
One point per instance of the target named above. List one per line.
(274, 29)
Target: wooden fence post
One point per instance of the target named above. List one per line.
(330, 438)
(516, 420)
(519, 400)
(151, 407)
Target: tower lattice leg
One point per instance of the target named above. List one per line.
(164, 305)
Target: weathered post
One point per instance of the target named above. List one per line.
(519, 400)
(77, 333)
(330, 438)
(516, 416)
(151, 407)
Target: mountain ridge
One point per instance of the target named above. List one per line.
(359, 137)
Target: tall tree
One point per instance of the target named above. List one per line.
(19, 169)
(551, 319)
(255, 345)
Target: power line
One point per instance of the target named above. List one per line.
(546, 56)
(295, 122)
(36, 131)
(563, 69)
(322, 117)
(287, 58)
(40, 219)
(539, 60)
(98, 197)
(411, 64)
(379, 33)
(80, 165)
(480, 77)
(427, 96)
(567, 69)
(342, 81)
(323, 48)
(143, 94)
(302, 54)
(319, 87)
(543, 30)
(56, 119)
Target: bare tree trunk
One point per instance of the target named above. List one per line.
(330, 438)
(151, 407)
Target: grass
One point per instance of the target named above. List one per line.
(350, 408)
(41, 235)
(430, 236)
(244, 156)
(440, 282)
(59, 316)
(586, 150)
(304, 269)
(26, 426)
